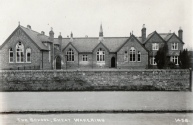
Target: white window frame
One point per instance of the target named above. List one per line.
(85, 58)
(100, 55)
(19, 51)
(126, 56)
(152, 61)
(174, 46)
(70, 55)
(28, 50)
(175, 59)
(132, 55)
(155, 46)
(138, 56)
(11, 51)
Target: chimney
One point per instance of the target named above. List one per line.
(71, 35)
(28, 26)
(51, 33)
(143, 33)
(180, 33)
(60, 41)
(43, 33)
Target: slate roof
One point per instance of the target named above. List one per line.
(88, 44)
(36, 37)
(166, 36)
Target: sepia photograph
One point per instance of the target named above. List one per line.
(96, 62)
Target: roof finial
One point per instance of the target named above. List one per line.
(19, 23)
(101, 31)
(51, 29)
(60, 33)
(180, 28)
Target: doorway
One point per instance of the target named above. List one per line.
(58, 62)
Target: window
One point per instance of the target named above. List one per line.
(174, 59)
(125, 56)
(132, 54)
(152, 61)
(70, 55)
(84, 58)
(28, 55)
(10, 55)
(155, 46)
(19, 52)
(174, 46)
(139, 56)
(100, 55)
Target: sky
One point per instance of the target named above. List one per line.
(83, 17)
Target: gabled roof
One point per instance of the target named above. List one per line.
(36, 37)
(166, 36)
(176, 37)
(151, 35)
(102, 45)
(132, 36)
(88, 44)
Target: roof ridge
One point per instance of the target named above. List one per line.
(33, 31)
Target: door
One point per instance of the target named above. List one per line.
(58, 62)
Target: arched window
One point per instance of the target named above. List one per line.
(132, 54)
(10, 55)
(125, 56)
(19, 52)
(28, 55)
(100, 55)
(70, 55)
(139, 56)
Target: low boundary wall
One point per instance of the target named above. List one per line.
(96, 80)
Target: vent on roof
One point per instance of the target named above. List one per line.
(86, 36)
(28, 26)
(43, 33)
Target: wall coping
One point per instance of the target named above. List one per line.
(101, 70)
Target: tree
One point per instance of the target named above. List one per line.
(184, 59)
(161, 57)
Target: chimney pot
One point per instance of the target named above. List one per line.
(28, 26)
(43, 33)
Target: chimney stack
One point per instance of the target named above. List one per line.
(143, 33)
(43, 33)
(28, 26)
(180, 33)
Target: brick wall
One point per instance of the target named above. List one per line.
(14, 39)
(160, 79)
(128, 64)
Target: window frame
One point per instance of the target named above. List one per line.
(27, 55)
(174, 46)
(175, 59)
(19, 52)
(125, 56)
(132, 54)
(100, 55)
(11, 51)
(152, 61)
(70, 55)
(138, 56)
(85, 58)
(155, 46)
